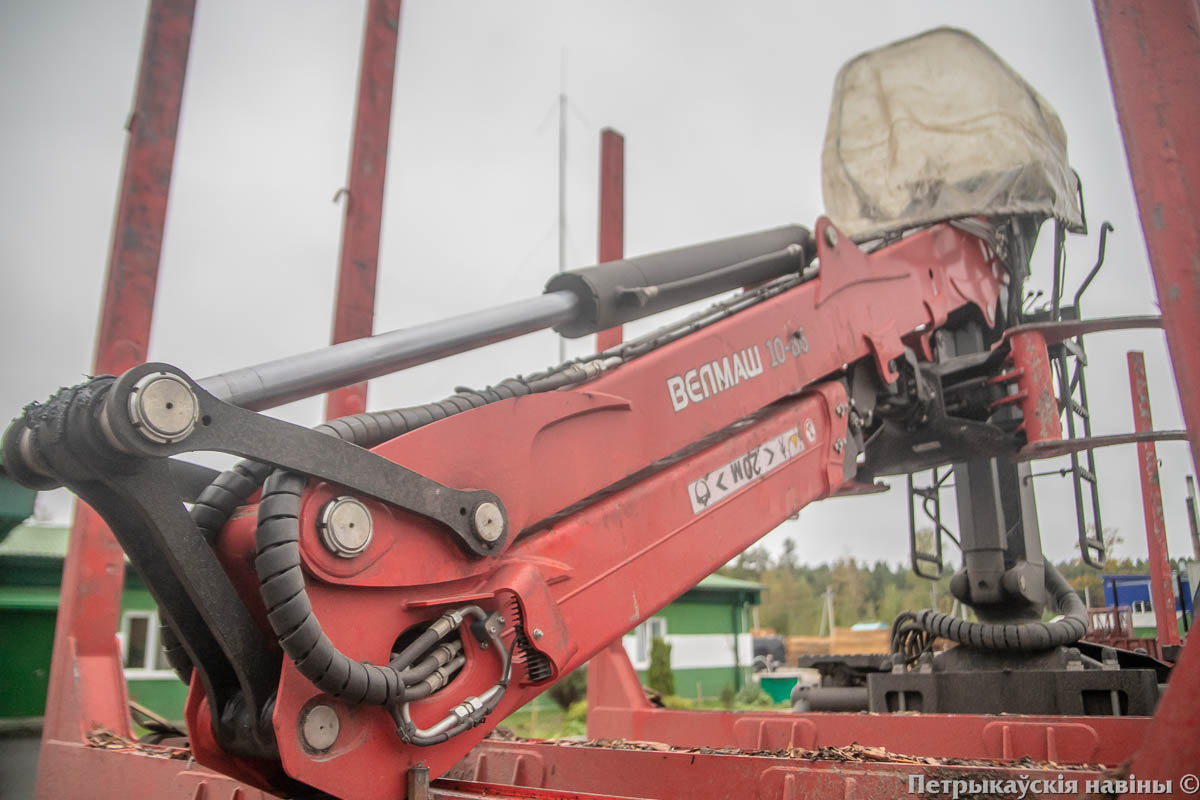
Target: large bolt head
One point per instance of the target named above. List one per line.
(320, 727)
(163, 408)
(489, 522)
(345, 527)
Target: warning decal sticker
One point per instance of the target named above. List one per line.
(714, 487)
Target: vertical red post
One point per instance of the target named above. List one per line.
(611, 244)
(1153, 61)
(1162, 587)
(87, 685)
(611, 677)
(354, 313)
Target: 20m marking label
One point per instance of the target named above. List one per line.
(714, 487)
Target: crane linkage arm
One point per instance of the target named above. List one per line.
(369, 611)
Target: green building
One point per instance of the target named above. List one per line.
(31, 562)
(16, 504)
(708, 629)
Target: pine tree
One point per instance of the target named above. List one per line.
(660, 676)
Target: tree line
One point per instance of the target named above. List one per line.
(793, 604)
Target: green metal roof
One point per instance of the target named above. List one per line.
(724, 590)
(716, 582)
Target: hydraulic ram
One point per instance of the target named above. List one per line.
(576, 303)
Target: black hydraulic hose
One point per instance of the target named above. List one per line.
(282, 583)
(1026, 636)
(438, 658)
(291, 616)
(212, 509)
(233, 487)
(278, 560)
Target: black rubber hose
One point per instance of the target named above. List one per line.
(233, 487)
(212, 509)
(1027, 636)
(278, 558)
(438, 658)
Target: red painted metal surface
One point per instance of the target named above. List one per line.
(1035, 388)
(1153, 60)
(707, 775)
(87, 685)
(583, 573)
(611, 243)
(354, 312)
(585, 578)
(77, 770)
(1113, 627)
(618, 709)
(1162, 586)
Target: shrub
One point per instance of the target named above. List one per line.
(752, 695)
(570, 689)
(672, 701)
(727, 695)
(577, 712)
(660, 677)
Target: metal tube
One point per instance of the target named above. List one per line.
(274, 383)
(831, 698)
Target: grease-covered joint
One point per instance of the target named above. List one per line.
(22, 461)
(61, 441)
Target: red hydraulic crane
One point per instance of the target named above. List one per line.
(355, 607)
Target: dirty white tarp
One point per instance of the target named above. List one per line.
(937, 127)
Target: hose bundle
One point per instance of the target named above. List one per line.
(234, 487)
(913, 632)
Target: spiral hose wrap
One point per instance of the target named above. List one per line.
(914, 631)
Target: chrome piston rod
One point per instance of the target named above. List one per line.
(575, 303)
(283, 380)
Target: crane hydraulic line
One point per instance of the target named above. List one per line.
(373, 595)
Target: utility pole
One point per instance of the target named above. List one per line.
(827, 612)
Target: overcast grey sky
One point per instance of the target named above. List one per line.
(723, 106)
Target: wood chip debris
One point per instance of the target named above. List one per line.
(105, 739)
(852, 753)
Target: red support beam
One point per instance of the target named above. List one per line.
(611, 243)
(354, 314)
(548, 770)
(1162, 587)
(1153, 58)
(87, 685)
